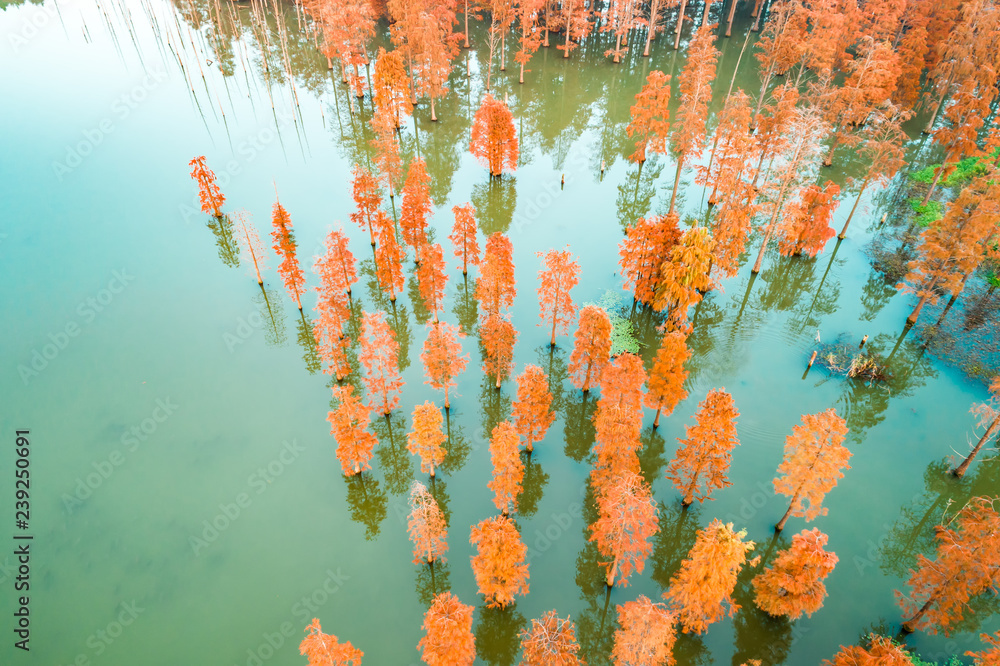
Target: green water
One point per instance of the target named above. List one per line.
(175, 327)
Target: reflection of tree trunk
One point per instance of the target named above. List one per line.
(864, 184)
(961, 469)
(820, 287)
(746, 297)
(937, 177)
(677, 182)
(899, 341)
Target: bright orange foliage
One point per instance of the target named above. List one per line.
(442, 357)
(391, 85)
(627, 519)
(988, 657)
(463, 236)
(695, 86)
(379, 355)
(883, 652)
(533, 408)
(667, 376)
(508, 469)
(967, 563)
(416, 207)
(560, 275)
(431, 278)
(575, 20)
(331, 344)
(324, 650)
(622, 17)
(427, 527)
(703, 458)
(732, 144)
(427, 437)
(388, 257)
(336, 272)
(814, 458)
(495, 289)
(806, 228)
(551, 642)
(645, 636)
(530, 34)
(387, 160)
(650, 122)
(794, 584)
(336, 269)
(367, 198)
(448, 640)
(707, 577)
(497, 337)
(591, 347)
(498, 564)
(349, 426)
(685, 275)
(347, 26)
(642, 251)
(209, 193)
(284, 246)
(494, 138)
(618, 419)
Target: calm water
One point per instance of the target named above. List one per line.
(187, 391)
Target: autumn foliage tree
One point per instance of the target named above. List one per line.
(426, 438)
(814, 457)
(495, 289)
(989, 656)
(645, 635)
(702, 590)
(576, 23)
(591, 347)
(642, 251)
(702, 461)
(793, 585)
(533, 408)
(499, 564)
(667, 376)
(806, 228)
(251, 249)
(379, 356)
(391, 85)
(988, 415)
(448, 638)
(442, 357)
(284, 246)
(967, 563)
(416, 206)
(551, 641)
(530, 37)
(497, 336)
(388, 258)
(427, 527)
(494, 138)
(556, 280)
(508, 469)
(627, 518)
(463, 236)
(325, 650)
(881, 652)
(685, 276)
(349, 426)
(367, 199)
(696, 92)
(618, 420)
(730, 146)
(209, 194)
(650, 117)
(622, 17)
(431, 278)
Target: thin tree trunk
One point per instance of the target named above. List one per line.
(937, 177)
(843, 232)
(937, 107)
(677, 181)
(729, 20)
(781, 523)
(961, 469)
(680, 22)
(466, 23)
(654, 9)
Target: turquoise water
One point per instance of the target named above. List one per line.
(100, 124)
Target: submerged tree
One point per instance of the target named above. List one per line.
(416, 207)
(667, 376)
(391, 85)
(627, 519)
(556, 280)
(284, 246)
(431, 279)
(379, 355)
(448, 639)
(645, 636)
(427, 527)
(703, 587)
(533, 408)
(442, 357)
(209, 194)
(498, 565)
(530, 37)
(806, 226)
(550, 642)
(641, 254)
(814, 458)
(463, 236)
(576, 15)
(325, 650)
(367, 199)
(494, 137)
(349, 426)
(703, 458)
(967, 563)
(591, 347)
(427, 437)
(881, 652)
(988, 414)
(495, 288)
(508, 468)
(650, 123)
(793, 585)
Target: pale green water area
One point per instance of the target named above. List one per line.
(100, 230)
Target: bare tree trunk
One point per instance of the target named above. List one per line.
(961, 469)
(680, 23)
(843, 232)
